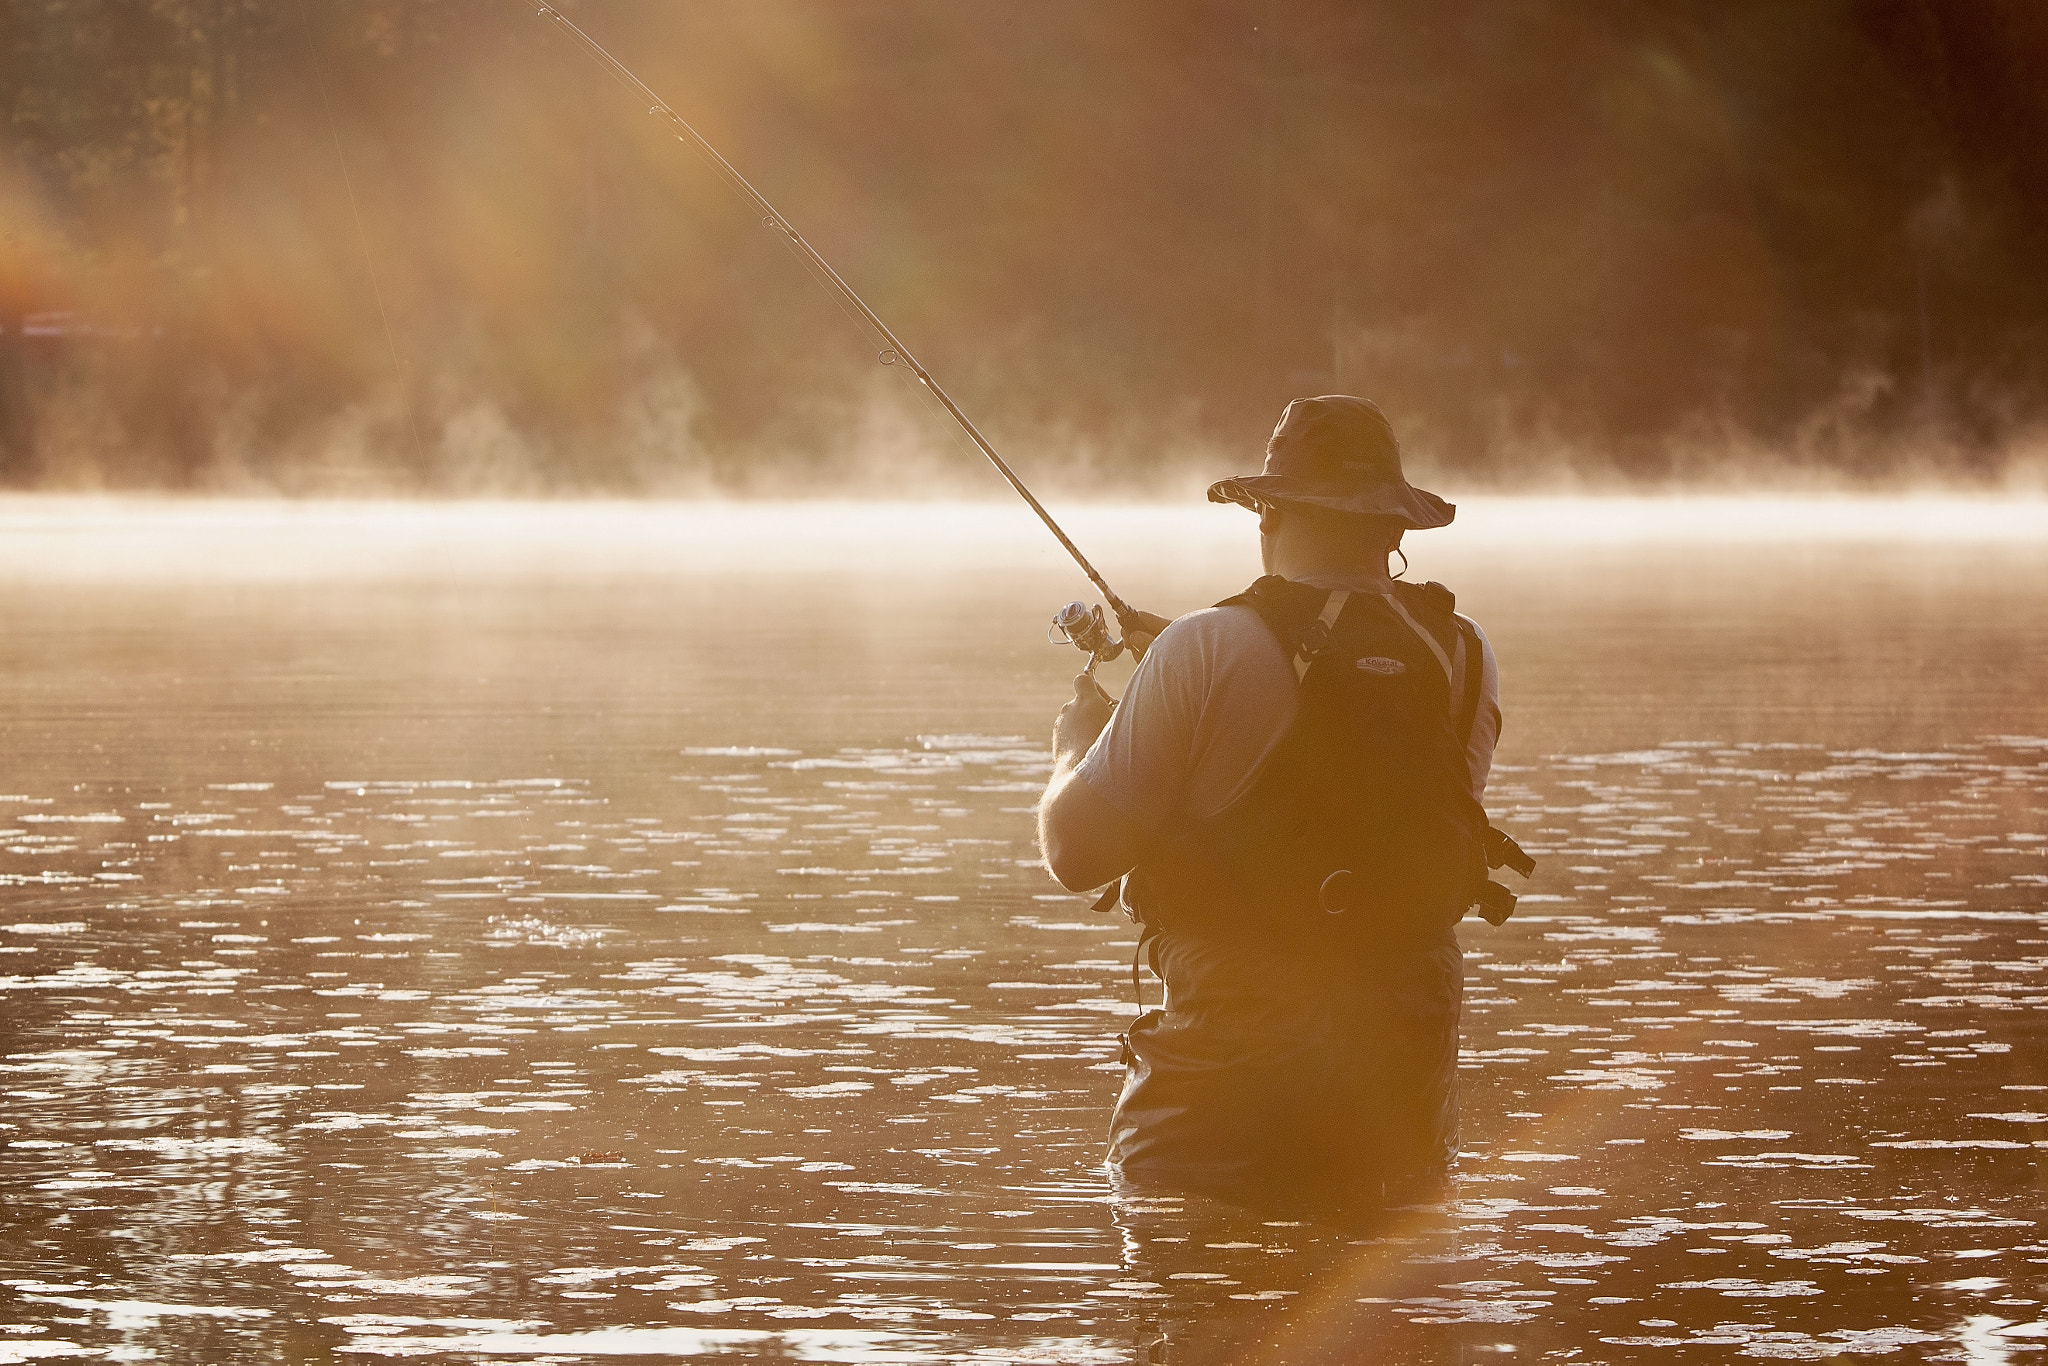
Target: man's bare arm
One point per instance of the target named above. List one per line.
(1086, 841)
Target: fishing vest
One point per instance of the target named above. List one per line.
(1360, 826)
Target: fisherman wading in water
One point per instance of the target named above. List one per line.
(1290, 790)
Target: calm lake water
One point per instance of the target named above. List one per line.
(525, 933)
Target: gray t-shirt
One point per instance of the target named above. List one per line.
(1212, 697)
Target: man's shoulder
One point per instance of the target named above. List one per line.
(1214, 647)
(1208, 629)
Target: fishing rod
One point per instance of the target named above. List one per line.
(1069, 623)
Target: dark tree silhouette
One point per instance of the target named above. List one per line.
(423, 243)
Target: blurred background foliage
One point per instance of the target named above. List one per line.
(354, 245)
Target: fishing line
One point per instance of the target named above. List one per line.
(362, 237)
(892, 351)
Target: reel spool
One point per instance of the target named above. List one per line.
(1084, 628)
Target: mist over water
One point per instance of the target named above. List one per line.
(521, 931)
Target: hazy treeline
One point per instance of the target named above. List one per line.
(316, 245)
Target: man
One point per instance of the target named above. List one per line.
(1292, 784)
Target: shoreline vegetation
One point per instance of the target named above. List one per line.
(423, 246)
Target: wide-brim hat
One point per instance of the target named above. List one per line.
(1336, 452)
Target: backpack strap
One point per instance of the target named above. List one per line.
(1316, 635)
(1298, 615)
(1475, 680)
(1290, 611)
(1432, 595)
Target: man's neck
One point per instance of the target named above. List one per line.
(1329, 571)
(1357, 578)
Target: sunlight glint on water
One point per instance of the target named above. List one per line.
(604, 931)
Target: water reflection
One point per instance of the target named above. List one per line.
(739, 1024)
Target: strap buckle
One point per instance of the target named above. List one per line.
(1503, 852)
(1496, 903)
(1315, 637)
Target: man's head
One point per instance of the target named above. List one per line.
(1336, 453)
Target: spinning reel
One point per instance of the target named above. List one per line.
(1084, 628)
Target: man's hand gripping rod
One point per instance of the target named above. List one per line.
(893, 351)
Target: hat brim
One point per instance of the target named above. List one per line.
(1418, 508)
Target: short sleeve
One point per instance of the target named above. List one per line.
(1485, 735)
(1141, 761)
(1212, 697)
